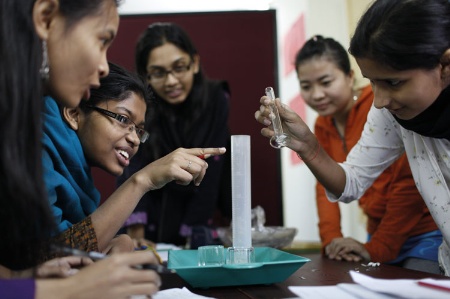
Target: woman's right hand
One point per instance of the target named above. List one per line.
(183, 165)
(329, 173)
(111, 278)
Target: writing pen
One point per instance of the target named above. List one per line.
(96, 256)
(434, 286)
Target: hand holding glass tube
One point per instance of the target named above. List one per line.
(280, 139)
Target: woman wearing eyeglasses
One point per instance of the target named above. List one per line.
(189, 110)
(106, 132)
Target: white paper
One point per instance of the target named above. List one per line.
(321, 292)
(361, 292)
(163, 250)
(403, 288)
(367, 287)
(165, 246)
(183, 293)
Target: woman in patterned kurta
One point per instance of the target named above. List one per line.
(105, 132)
(407, 60)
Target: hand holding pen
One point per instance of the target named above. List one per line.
(96, 256)
(116, 276)
(57, 267)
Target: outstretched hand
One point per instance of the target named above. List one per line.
(182, 165)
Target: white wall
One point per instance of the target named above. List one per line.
(325, 17)
(165, 6)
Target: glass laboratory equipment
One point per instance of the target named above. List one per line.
(280, 139)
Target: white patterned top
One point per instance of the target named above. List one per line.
(382, 142)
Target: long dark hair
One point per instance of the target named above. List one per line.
(403, 34)
(25, 216)
(318, 46)
(118, 85)
(156, 35)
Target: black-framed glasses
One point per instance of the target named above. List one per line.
(159, 74)
(124, 121)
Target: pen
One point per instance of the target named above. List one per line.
(158, 268)
(95, 256)
(152, 249)
(433, 286)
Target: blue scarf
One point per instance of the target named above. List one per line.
(70, 186)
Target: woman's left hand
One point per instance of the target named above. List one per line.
(61, 267)
(58, 267)
(347, 249)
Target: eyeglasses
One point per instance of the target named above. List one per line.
(158, 75)
(124, 121)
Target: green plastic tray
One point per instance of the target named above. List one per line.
(271, 266)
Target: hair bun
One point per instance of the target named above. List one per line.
(317, 37)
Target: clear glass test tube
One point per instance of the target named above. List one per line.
(280, 139)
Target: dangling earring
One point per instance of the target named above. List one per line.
(45, 68)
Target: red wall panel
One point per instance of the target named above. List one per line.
(239, 47)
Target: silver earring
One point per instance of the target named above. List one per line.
(45, 68)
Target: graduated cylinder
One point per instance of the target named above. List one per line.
(242, 250)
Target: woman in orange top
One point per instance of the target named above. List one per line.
(401, 229)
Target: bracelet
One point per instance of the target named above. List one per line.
(316, 152)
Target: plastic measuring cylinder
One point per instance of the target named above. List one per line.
(242, 250)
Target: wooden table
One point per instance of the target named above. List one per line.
(319, 271)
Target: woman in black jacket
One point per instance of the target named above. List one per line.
(189, 110)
